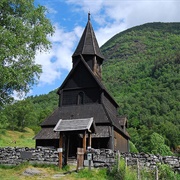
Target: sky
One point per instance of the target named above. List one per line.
(108, 17)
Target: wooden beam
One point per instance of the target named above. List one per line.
(67, 148)
(84, 141)
(89, 139)
(60, 150)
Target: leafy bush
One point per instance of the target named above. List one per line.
(157, 145)
(2, 132)
(165, 172)
(133, 148)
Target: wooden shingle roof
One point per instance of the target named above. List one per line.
(77, 112)
(99, 112)
(75, 125)
(102, 132)
(88, 44)
(47, 133)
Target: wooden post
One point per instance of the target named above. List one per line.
(84, 141)
(89, 154)
(126, 162)
(67, 148)
(156, 173)
(89, 139)
(80, 158)
(138, 170)
(118, 161)
(60, 150)
(89, 165)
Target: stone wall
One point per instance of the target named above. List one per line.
(150, 160)
(16, 155)
(101, 157)
(106, 157)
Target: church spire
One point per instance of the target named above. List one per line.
(89, 14)
(88, 44)
(88, 48)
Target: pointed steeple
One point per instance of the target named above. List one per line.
(88, 44)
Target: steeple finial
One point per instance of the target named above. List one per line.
(89, 14)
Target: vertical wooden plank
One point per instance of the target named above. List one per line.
(89, 139)
(60, 153)
(138, 170)
(126, 162)
(67, 153)
(156, 173)
(66, 149)
(84, 141)
(118, 161)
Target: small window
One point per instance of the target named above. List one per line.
(80, 98)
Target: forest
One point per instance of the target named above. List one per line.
(141, 72)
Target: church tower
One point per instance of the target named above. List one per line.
(88, 47)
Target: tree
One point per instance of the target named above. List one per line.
(18, 115)
(24, 30)
(157, 144)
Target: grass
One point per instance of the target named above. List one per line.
(16, 173)
(49, 172)
(95, 174)
(16, 138)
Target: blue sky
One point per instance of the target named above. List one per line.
(108, 18)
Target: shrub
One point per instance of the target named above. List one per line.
(133, 148)
(165, 172)
(118, 171)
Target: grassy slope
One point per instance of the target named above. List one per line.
(17, 139)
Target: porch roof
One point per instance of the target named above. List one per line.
(47, 133)
(75, 125)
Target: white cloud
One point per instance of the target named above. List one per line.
(51, 10)
(59, 57)
(115, 16)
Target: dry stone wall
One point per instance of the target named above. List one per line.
(16, 155)
(101, 157)
(106, 157)
(150, 160)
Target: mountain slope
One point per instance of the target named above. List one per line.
(142, 73)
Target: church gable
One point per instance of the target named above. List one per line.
(80, 96)
(80, 78)
(80, 87)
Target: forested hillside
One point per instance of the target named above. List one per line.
(29, 112)
(141, 71)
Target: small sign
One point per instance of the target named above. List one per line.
(89, 156)
(26, 155)
(59, 150)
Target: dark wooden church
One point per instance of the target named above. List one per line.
(85, 104)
